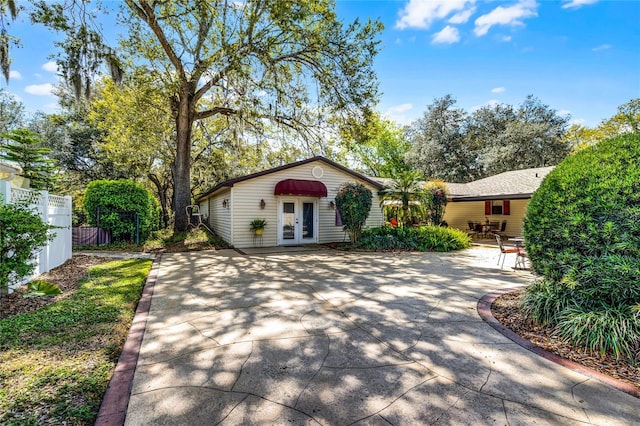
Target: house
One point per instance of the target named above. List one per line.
(504, 196)
(297, 200)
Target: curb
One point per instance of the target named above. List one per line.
(116, 399)
(484, 310)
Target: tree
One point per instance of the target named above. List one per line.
(451, 145)
(405, 193)
(435, 201)
(25, 148)
(11, 112)
(250, 61)
(440, 147)
(378, 144)
(353, 202)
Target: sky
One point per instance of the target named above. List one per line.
(580, 57)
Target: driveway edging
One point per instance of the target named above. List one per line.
(116, 399)
(484, 310)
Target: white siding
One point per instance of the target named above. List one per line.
(245, 205)
(459, 213)
(220, 216)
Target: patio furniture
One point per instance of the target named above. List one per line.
(504, 250)
(473, 231)
(521, 257)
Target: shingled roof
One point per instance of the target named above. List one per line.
(513, 185)
(516, 184)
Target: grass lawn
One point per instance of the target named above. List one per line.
(56, 362)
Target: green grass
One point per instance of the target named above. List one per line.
(56, 362)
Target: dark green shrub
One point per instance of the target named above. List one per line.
(118, 201)
(582, 231)
(422, 238)
(353, 202)
(22, 235)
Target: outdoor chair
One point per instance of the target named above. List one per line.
(503, 228)
(521, 258)
(504, 250)
(472, 229)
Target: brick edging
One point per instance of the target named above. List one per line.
(484, 310)
(116, 399)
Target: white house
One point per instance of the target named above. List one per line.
(296, 199)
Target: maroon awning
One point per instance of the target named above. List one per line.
(312, 188)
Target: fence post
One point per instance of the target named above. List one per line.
(43, 200)
(5, 192)
(68, 204)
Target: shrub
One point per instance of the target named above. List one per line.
(582, 231)
(353, 202)
(22, 235)
(423, 238)
(118, 202)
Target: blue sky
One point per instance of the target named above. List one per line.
(581, 57)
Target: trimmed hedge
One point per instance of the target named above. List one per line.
(117, 201)
(423, 238)
(582, 231)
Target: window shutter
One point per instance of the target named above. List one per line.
(506, 207)
(487, 208)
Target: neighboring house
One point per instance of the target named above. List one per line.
(297, 200)
(497, 198)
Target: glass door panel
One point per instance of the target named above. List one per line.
(288, 220)
(308, 220)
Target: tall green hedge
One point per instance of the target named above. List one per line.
(582, 231)
(118, 201)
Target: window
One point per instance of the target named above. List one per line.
(497, 207)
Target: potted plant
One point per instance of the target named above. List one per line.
(258, 225)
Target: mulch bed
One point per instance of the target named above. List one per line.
(66, 276)
(506, 309)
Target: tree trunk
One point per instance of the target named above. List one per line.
(182, 168)
(161, 190)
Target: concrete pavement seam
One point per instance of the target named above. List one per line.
(484, 310)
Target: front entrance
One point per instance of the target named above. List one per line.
(297, 221)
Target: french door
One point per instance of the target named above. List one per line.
(297, 221)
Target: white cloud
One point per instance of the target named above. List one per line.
(506, 39)
(602, 47)
(511, 16)
(15, 75)
(564, 112)
(422, 13)
(50, 66)
(39, 89)
(489, 103)
(498, 90)
(578, 121)
(448, 35)
(462, 17)
(575, 4)
(397, 113)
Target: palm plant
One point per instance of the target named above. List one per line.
(407, 192)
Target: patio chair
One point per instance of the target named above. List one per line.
(473, 231)
(504, 250)
(521, 258)
(503, 228)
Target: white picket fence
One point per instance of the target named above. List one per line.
(55, 210)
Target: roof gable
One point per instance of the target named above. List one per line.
(231, 182)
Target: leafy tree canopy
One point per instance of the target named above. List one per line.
(26, 149)
(452, 145)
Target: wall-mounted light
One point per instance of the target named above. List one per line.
(225, 203)
(262, 204)
(332, 205)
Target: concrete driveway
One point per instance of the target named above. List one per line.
(333, 338)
